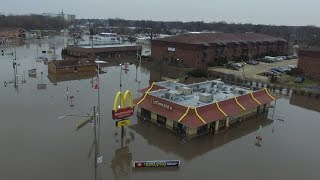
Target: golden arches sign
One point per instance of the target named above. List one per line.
(120, 109)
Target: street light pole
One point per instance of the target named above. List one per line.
(120, 76)
(139, 68)
(98, 113)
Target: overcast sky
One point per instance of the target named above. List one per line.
(278, 12)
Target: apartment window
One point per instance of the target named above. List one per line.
(202, 129)
(161, 120)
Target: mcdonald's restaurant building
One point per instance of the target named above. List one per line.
(200, 108)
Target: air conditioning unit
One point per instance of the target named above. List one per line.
(185, 90)
(205, 97)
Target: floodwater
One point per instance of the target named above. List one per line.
(36, 144)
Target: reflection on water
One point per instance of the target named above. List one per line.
(188, 150)
(55, 78)
(121, 163)
(305, 101)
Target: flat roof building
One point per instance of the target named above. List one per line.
(112, 51)
(202, 49)
(200, 108)
(70, 66)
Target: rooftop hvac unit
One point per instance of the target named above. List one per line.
(167, 95)
(170, 95)
(219, 86)
(241, 92)
(185, 90)
(205, 97)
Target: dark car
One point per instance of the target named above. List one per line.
(270, 73)
(252, 62)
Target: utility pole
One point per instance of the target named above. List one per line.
(96, 151)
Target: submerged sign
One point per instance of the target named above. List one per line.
(156, 163)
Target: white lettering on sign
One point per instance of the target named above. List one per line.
(171, 49)
(161, 104)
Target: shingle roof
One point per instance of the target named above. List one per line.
(247, 101)
(210, 38)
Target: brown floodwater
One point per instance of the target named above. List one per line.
(36, 144)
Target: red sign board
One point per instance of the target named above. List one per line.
(122, 113)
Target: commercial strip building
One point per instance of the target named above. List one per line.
(70, 66)
(199, 108)
(12, 32)
(113, 51)
(200, 49)
(309, 62)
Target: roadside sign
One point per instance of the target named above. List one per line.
(83, 123)
(122, 113)
(156, 163)
(125, 122)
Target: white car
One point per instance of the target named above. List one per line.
(279, 58)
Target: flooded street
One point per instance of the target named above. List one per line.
(36, 144)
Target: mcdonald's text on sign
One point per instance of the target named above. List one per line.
(122, 113)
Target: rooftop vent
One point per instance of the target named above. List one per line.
(185, 90)
(205, 97)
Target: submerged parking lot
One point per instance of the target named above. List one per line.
(255, 71)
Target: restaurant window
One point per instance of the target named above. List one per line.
(175, 126)
(202, 129)
(161, 120)
(146, 114)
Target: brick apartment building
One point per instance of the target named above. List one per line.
(201, 49)
(309, 62)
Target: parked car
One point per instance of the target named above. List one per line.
(274, 71)
(292, 66)
(299, 79)
(252, 62)
(286, 68)
(277, 69)
(270, 73)
(233, 66)
(269, 59)
(279, 58)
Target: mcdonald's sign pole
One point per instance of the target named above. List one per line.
(121, 112)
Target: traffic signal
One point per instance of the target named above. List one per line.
(2, 52)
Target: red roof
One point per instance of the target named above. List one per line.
(210, 113)
(247, 102)
(230, 107)
(262, 97)
(192, 120)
